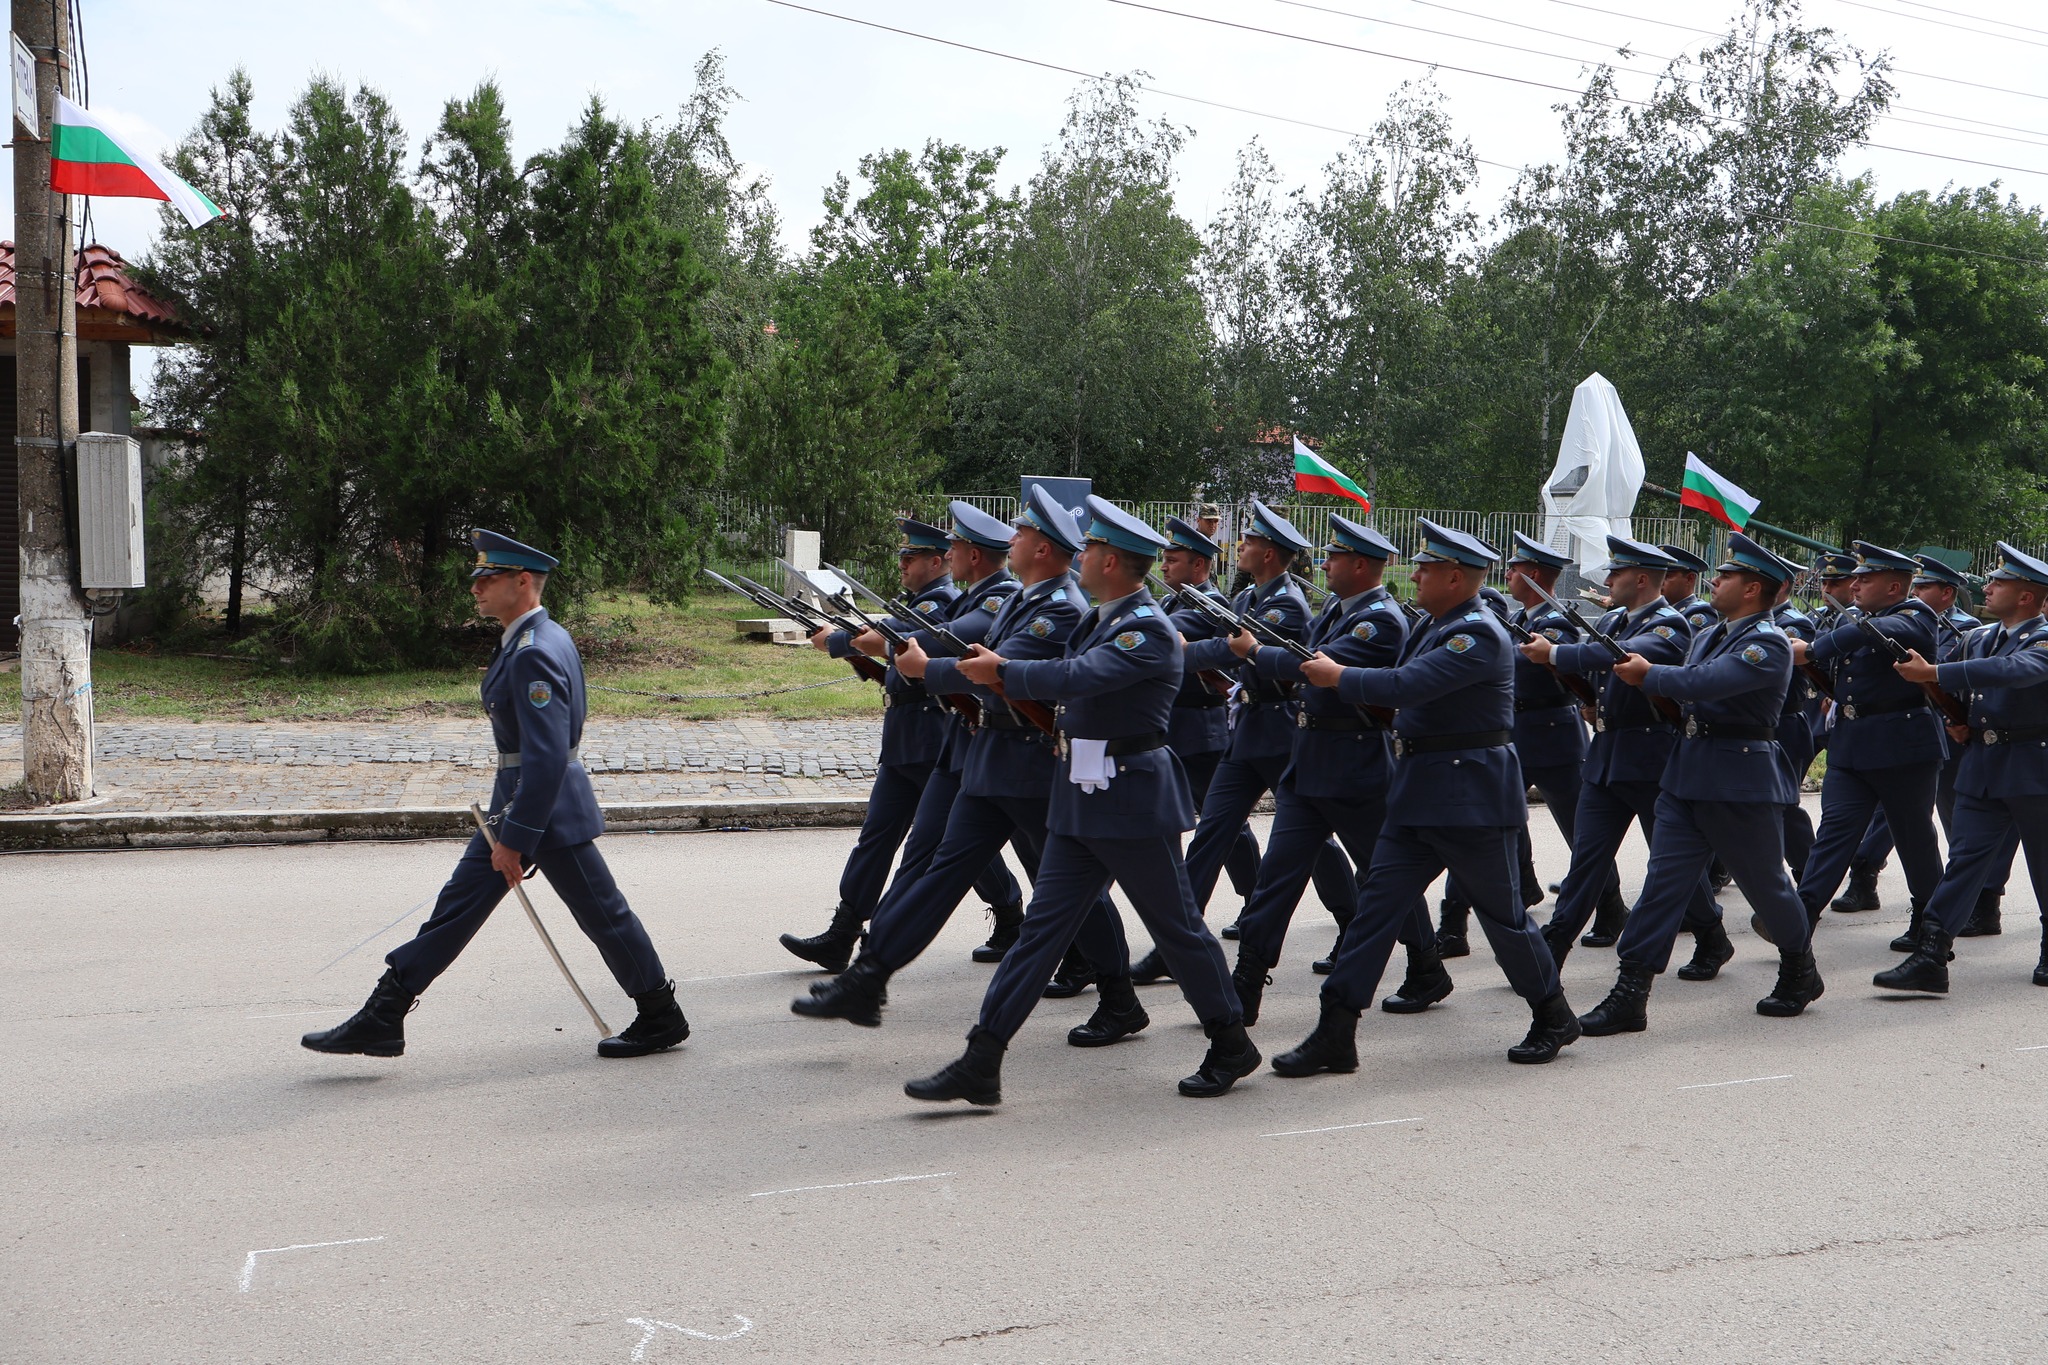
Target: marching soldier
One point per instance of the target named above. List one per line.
(546, 816)
(1456, 800)
(1721, 792)
(1838, 607)
(1681, 588)
(1796, 728)
(2002, 786)
(915, 731)
(1119, 806)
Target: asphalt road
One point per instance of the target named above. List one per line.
(184, 1183)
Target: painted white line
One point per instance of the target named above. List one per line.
(249, 1266)
(1339, 1127)
(742, 976)
(650, 1326)
(1747, 1080)
(2034, 1048)
(850, 1185)
(296, 1014)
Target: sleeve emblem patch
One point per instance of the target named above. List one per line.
(1664, 631)
(539, 693)
(926, 607)
(1130, 639)
(1754, 654)
(1363, 631)
(991, 603)
(1273, 615)
(1041, 628)
(1458, 644)
(2038, 644)
(1551, 633)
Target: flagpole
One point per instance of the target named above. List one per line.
(1754, 525)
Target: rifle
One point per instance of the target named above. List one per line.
(965, 703)
(860, 663)
(1944, 701)
(1664, 706)
(1215, 679)
(1579, 687)
(1383, 716)
(1316, 596)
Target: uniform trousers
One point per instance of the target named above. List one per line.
(1301, 824)
(1748, 836)
(1405, 861)
(1242, 861)
(1877, 844)
(1233, 792)
(910, 917)
(894, 805)
(1982, 840)
(579, 876)
(1559, 787)
(1848, 798)
(1605, 810)
(1796, 739)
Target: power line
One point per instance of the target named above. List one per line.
(2005, 23)
(1639, 18)
(1908, 241)
(1942, 23)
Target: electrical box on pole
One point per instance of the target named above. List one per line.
(109, 511)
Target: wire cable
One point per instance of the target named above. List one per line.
(1942, 23)
(1982, 19)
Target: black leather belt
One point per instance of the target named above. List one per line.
(1602, 725)
(1438, 744)
(1335, 724)
(1856, 710)
(1546, 704)
(2013, 735)
(1269, 701)
(1715, 729)
(1209, 702)
(922, 701)
(993, 719)
(1126, 744)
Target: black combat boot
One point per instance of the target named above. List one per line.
(1608, 918)
(1229, 930)
(1249, 978)
(1559, 940)
(1332, 1047)
(1626, 1008)
(1231, 1058)
(2041, 967)
(1117, 1015)
(1711, 951)
(1151, 968)
(1799, 985)
(1861, 893)
(1454, 918)
(1908, 941)
(977, 1077)
(1532, 885)
(660, 1024)
(832, 949)
(1074, 975)
(1327, 963)
(1007, 920)
(1426, 983)
(1552, 1027)
(1718, 875)
(1926, 970)
(375, 1030)
(855, 995)
(1984, 921)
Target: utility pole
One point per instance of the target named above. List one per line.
(56, 625)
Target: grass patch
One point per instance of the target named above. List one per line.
(628, 642)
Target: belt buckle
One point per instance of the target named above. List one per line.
(1599, 724)
(1692, 727)
(1301, 720)
(1991, 736)
(1400, 747)
(1059, 746)
(1848, 710)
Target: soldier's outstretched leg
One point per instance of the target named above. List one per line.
(1861, 894)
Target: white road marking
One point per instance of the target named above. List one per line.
(295, 1014)
(651, 1326)
(2033, 1048)
(850, 1184)
(740, 976)
(249, 1266)
(1747, 1080)
(1339, 1127)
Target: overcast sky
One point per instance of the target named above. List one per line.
(817, 93)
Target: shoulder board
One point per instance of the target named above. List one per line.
(525, 638)
(1473, 615)
(1056, 595)
(1766, 628)
(1382, 605)
(1667, 610)
(1142, 611)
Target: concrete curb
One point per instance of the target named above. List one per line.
(46, 830)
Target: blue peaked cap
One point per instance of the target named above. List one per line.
(1623, 553)
(1877, 559)
(1687, 560)
(1270, 525)
(919, 536)
(2018, 564)
(1043, 514)
(1531, 551)
(1440, 544)
(1348, 537)
(1835, 564)
(497, 553)
(1746, 556)
(1120, 530)
(976, 527)
(1933, 570)
(1186, 536)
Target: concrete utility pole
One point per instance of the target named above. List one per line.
(56, 638)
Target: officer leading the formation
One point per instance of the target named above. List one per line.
(546, 816)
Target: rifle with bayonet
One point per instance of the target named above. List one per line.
(811, 621)
(1578, 686)
(1215, 679)
(1233, 624)
(1664, 706)
(1951, 707)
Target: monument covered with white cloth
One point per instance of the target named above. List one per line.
(1591, 492)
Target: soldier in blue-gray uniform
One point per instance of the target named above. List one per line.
(1681, 588)
(1796, 727)
(1119, 806)
(1337, 782)
(915, 732)
(1006, 784)
(1632, 743)
(2002, 788)
(1724, 788)
(1837, 570)
(1885, 748)
(546, 816)
(1457, 800)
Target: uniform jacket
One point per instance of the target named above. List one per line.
(1265, 719)
(1733, 675)
(1014, 760)
(970, 615)
(1366, 630)
(1953, 628)
(533, 693)
(1631, 742)
(1801, 719)
(1548, 730)
(1864, 678)
(1698, 612)
(1201, 717)
(1117, 680)
(1456, 676)
(2000, 675)
(914, 729)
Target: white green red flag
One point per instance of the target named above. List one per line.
(1719, 498)
(1314, 474)
(88, 157)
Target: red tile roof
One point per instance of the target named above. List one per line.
(110, 303)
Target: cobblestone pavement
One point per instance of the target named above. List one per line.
(164, 766)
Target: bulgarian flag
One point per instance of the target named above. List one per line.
(1314, 474)
(88, 157)
(1714, 495)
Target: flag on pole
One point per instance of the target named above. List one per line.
(1714, 495)
(1314, 474)
(88, 157)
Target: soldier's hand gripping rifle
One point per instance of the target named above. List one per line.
(1233, 624)
(1665, 707)
(1952, 709)
(801, 613)
(1578, 686)
(1215, 679)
